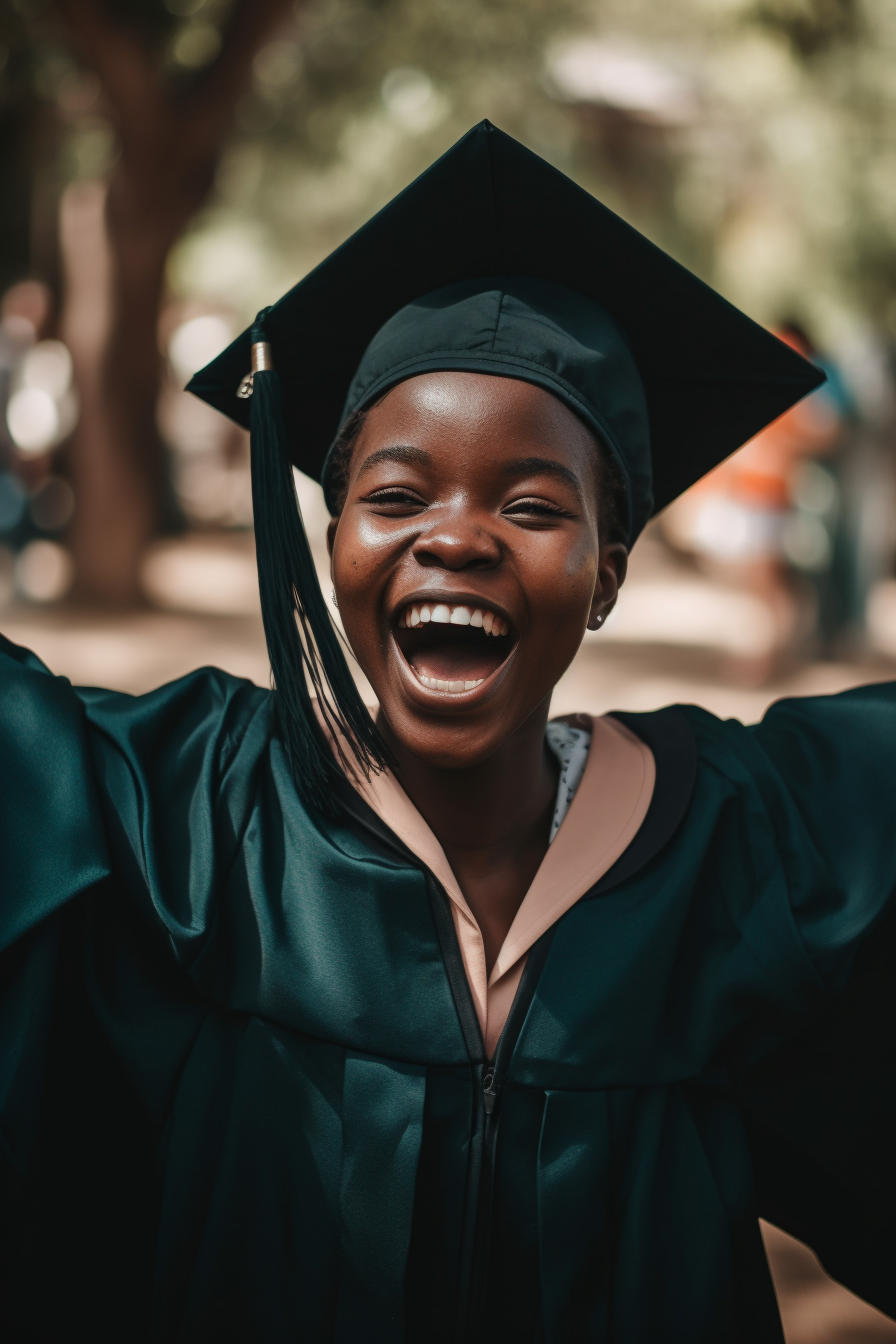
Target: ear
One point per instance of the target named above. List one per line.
(611, 571)
(331, 542)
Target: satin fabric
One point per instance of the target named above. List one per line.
(611, 802)
(236, 1100)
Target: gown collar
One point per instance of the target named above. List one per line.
(605, 815)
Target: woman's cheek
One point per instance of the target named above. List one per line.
(368, 549)
(583, 577)
(373, 534)
(352, 586)
(354, 557)
(570, 587)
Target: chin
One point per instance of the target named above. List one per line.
(452, 746)
(452, 740)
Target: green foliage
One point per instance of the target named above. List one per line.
(356, 99)
(780, 186)
(812, 26)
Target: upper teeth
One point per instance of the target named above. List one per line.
(440, 613)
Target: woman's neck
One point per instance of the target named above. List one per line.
(492, 820)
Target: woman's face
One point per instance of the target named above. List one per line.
(467, 559)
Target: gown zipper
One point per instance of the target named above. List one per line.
(489, 1074)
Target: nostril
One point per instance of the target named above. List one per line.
(457, 548)
(456, 556)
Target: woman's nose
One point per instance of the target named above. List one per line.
(457, 540)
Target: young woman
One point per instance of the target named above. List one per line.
(455, 1025)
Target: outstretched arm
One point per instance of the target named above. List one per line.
(822, 1109)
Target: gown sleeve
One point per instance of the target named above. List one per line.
(117, 814)
(821, 1107)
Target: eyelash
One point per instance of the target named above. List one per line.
(540, 506)
(397, 495)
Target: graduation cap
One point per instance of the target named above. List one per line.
(491, 261)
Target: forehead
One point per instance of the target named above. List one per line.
(457, 409)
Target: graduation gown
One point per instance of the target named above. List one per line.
(243, 1090)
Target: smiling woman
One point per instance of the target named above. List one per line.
(482, 424)
(469, 553)
(442, 1023)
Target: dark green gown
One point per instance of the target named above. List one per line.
(242, 1089)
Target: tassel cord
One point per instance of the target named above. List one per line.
(303, 643)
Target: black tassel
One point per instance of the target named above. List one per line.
(303, 644)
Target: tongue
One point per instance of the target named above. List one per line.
(449, 662)
(452, 652)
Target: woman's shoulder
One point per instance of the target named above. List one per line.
(859, 718)
(51, 838)
(205, 715)
(816, 769)
(203, 706)
(838, 746)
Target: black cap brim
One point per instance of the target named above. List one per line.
(713, 378)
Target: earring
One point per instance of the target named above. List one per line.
(334, 599)
(600, 620)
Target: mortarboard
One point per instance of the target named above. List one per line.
(491, 261)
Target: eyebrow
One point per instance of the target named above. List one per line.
(528, 466)
(399, 452)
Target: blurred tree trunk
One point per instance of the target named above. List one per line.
(170, 137)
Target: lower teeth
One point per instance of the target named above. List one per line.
(455, 687)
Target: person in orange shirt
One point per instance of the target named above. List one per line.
(736, 518)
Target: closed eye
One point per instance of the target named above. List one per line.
(533, 506)
(395, 498)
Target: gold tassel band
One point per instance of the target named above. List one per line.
(262, 360)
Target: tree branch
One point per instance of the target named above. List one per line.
(152, 119)
(214, 94)
(171, 131)
(124, 67)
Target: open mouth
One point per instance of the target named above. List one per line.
(453, 648)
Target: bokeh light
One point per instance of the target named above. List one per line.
(197, 341)
(618, 75)
(48, 365)
(32, 418)
(278, 65)
(196, 46)
(42, 409)
(43, 571)
(412, 99)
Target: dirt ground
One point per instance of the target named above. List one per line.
(137, 652)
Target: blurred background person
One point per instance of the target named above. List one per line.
(776, 510)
